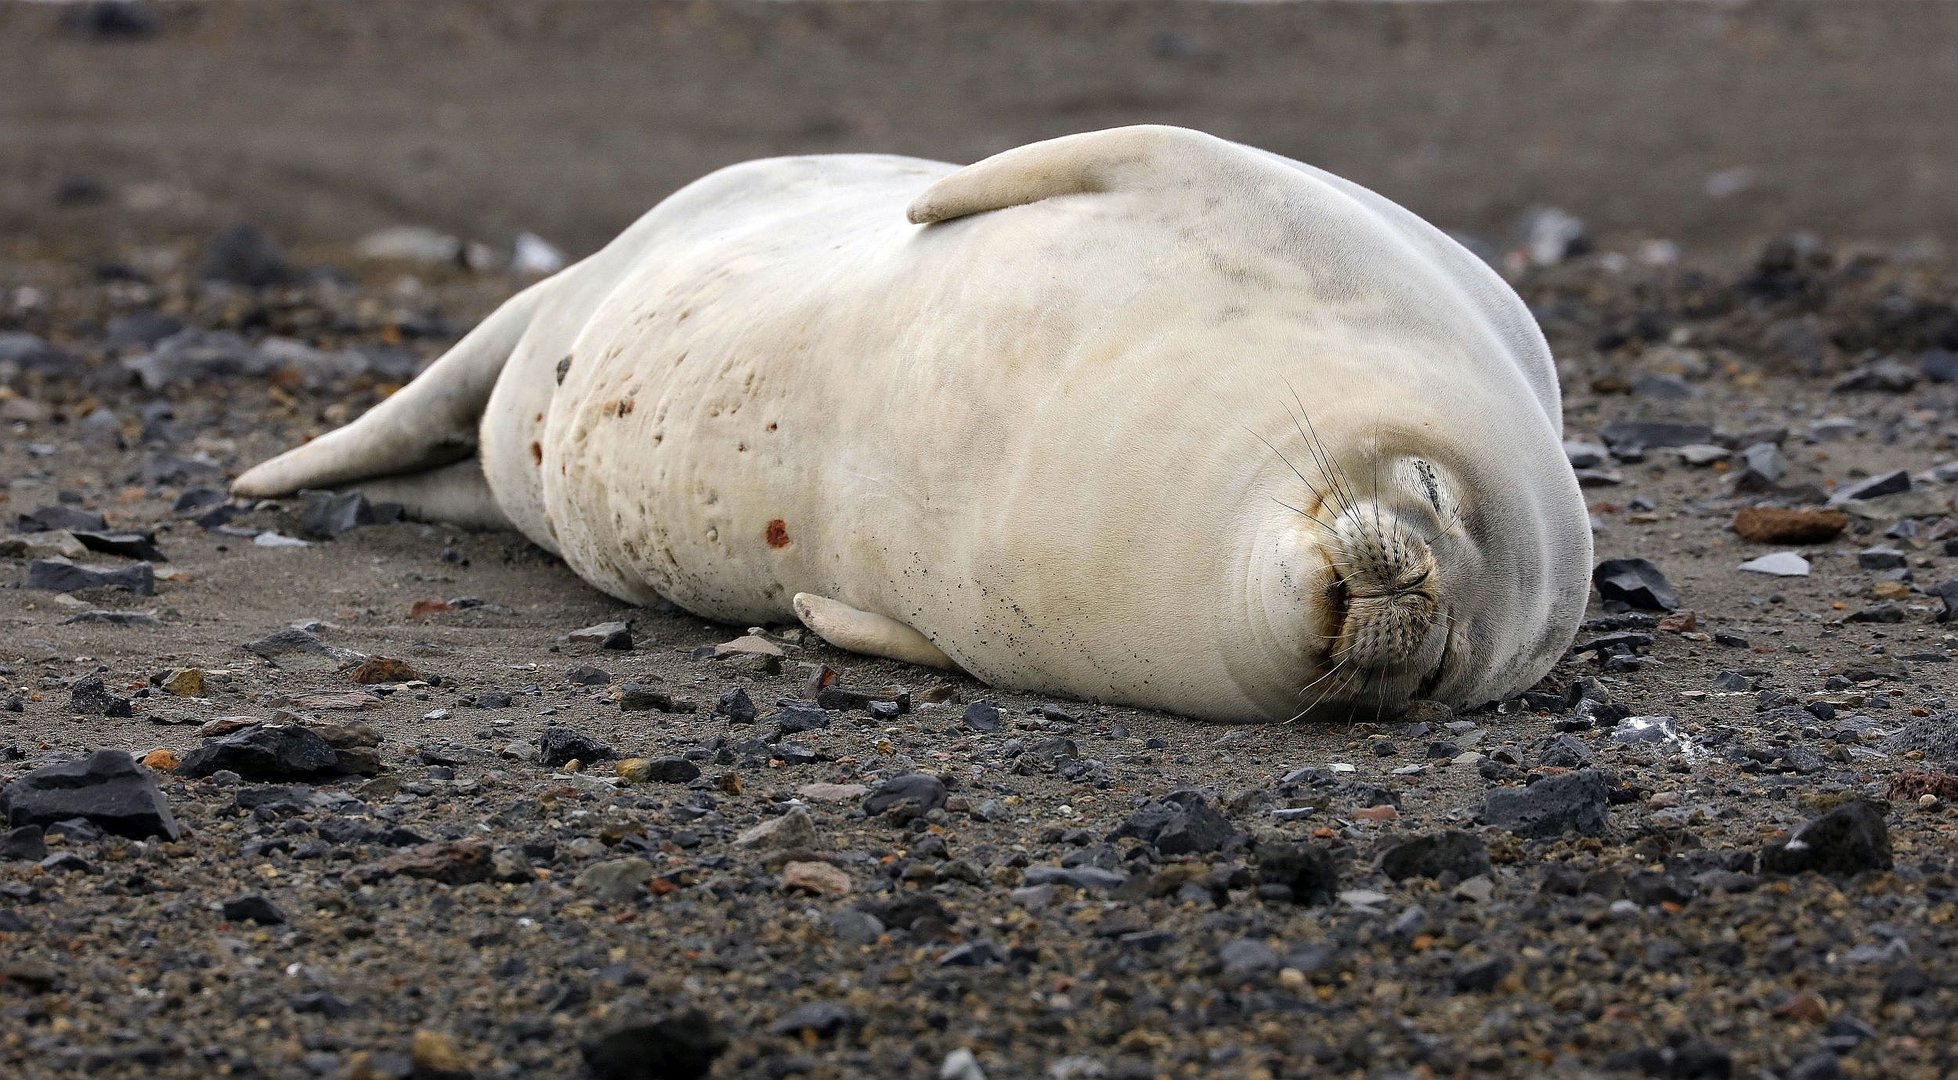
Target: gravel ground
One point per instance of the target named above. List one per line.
(400, 817)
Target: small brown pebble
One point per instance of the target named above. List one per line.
(424, 608)
(184, 682)
(1778, 525)
(819, 878)
(1680, 622)
(1807, 1006)
(161, 760)
(1377, 813)
(435, 1056)
(384, 669)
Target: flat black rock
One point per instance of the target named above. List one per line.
(108, 788)
(1437, 855)
(60, 575)
(326, 515)
(558, 745)
(253, 908)
(921, 792)
(1573, 802)
(1307, 871)
(1180, 823)
(1848, 840)
(1635, 583)
(267, 752)
(51, 518)
(680, 1047)
(129, 545)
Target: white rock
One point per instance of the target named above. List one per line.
(535, 255)
(961, 1065)
(1779, 564)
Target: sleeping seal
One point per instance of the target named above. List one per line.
(1138, 416)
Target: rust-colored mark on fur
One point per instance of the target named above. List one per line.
(537, 453)
(778, 534)
(625, 407)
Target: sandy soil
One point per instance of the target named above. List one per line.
(460, 908)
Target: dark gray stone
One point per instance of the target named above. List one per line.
(60, 575)
(1180, 823)
(1307, 872)
(824, 1018)
(1573, 802)
(108, 788)
(1847, 840)
(24, 844)
(1635, 583)
(1437, 855)
(558, 745)
(58, 517)
(253, 908)
(920, 792)
(266, 752)
(241, 255)
(129, 545)
(680, 1047)
(1890, 483)
(326, 515)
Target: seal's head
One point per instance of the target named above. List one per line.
(1416, 571)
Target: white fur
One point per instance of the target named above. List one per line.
(1034, 428)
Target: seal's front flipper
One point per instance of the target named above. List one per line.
(873, 635)
(457, 494)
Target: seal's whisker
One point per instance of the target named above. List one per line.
(1303, 514)
(1339, 687)
(1316, 493)
(1322, 697)
(1333, 475)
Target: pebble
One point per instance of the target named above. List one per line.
(606, 635)
(823, 1019)
(61, 575)
(264, 752)
(819, 878)
(1778, 564)
(790, 831)
(666, 770)
(1635, 583)
(615, 880)
(1847, 840)
(253, 908)
(683, 1046)
(1442, 855)
(1776, 525)
(557, 745)
(918, 793)
(108, 788)
(1573, 802)
(1181, 823)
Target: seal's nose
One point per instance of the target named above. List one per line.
(1384, 578)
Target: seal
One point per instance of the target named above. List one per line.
(1139, 416)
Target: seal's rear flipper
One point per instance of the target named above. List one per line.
(1119, 159)
(862, 632)
(431, 422)
(457, 494)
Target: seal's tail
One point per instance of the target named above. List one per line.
(429, 423)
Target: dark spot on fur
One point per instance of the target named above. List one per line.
(537, 453)
(772, 427)
(625, 407)
(563, 369)
(778, 534)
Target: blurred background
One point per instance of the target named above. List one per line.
(421, 127)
